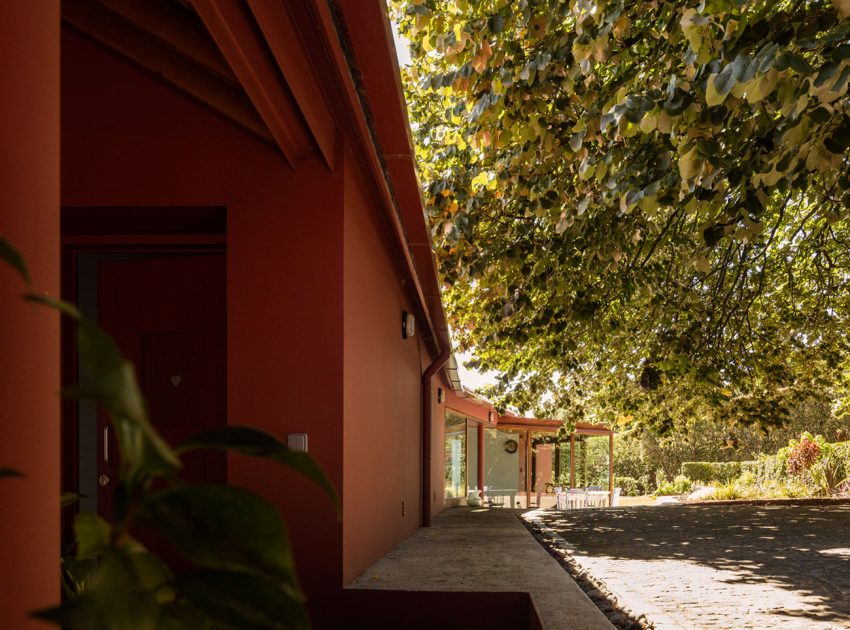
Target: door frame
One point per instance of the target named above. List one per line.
(210, 238)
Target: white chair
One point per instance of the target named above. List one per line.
(560, 498)
(615, 499)
(597, 498)
(576, 498)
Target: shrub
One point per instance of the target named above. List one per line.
(679, 485)
(769, 469)
(803, 455)
(830, 471)
(746, 479)
(727, 491)
(712, 471)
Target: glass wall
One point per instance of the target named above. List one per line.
(455, 454)
(591, 462)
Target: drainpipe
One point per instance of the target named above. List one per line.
(426, 434)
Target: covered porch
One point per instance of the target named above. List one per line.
(502, 460)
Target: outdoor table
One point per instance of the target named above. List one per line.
(597, 498)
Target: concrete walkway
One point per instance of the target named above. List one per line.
(480, 549)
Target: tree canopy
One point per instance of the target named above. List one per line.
(640, 209)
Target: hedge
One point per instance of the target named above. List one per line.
(714, 471)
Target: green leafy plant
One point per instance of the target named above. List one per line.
(241, 572)
(727, 491)
(679, 485)
(830, 472)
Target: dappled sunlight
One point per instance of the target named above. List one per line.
(720, 566)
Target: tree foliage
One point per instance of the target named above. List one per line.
(639, 207)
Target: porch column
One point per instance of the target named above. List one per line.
(611, 470)
(481, 460)
(528, 469)
(572, 460)
(29, 334)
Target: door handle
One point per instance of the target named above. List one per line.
(106, 452)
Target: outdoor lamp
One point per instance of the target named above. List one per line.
(440, 395)
(408, 325)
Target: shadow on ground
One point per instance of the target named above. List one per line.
(799, 549)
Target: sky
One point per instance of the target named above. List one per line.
(401, 51)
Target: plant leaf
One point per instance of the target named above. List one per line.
(93, 534)
(113, 599)
(222, 527)
(243, 600)
(712, 96)
(14, 258)
(111, 381)
(10, 472)
(256, 443)
(70, 498)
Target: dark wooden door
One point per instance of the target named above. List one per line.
(167, 315)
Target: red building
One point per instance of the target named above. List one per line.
(238, 171)
(228, 186)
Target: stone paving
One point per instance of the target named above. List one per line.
(718, 566)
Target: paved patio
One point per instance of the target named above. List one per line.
(718, 566)
(469, 549)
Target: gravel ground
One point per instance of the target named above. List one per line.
(712, 566)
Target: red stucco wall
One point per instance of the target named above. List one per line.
(128, 140)
(29, 335)
(381, 391)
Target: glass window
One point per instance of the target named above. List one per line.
(455, 451)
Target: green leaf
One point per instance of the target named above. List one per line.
(827, 72)
(10, 472)
(730, 75)
(235, 599)
(152, 574)
(712, 96)
(114, 599)
(14, 258)
(70, 498)
(223, 527)
(689, 164)
(111, 381)
(791, 60)
(66, 308)
(183, 616)
(759, 88)
(840, 138)
(576, 140)
(496, 24)
(255, 443)
(93, 535)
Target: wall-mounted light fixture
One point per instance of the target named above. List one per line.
(440, 395)
(408, 325)
(489, 416)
